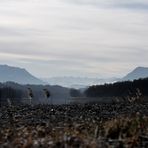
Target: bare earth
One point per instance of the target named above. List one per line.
(74, 126)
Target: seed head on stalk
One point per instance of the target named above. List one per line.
(30, 95)
(47, 94)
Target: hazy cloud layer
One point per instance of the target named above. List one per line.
(74, 37)
(134, 4)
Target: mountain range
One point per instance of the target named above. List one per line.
(77, 82)
(81, 82)
(22, 76)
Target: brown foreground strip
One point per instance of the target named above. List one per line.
(74, 126)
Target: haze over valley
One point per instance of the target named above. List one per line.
(22, 76)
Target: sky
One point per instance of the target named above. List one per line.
(85, 38)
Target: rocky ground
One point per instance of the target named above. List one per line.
(74, 126)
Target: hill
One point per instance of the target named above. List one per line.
(59, 95)
(18, 75)
(120, 89)
(139, 72)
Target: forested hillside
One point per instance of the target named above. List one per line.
(119, 89)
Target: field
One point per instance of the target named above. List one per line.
(85, 126)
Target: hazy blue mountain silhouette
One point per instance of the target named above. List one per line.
(77, 82)
(139, 72)
(18, 75)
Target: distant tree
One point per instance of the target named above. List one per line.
(9, 95)
(75, 92)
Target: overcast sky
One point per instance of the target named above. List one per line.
(94, 38)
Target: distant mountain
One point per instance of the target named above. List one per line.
(84, 82)
(77, 82)
(139, 72)
(18, 75)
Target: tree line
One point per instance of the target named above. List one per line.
(9, 95)
(119, 89)
(14, 95)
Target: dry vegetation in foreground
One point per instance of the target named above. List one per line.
(74, 126)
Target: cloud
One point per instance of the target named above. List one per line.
(88, 38)
(132, 4)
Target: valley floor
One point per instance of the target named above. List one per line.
(74, 126)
